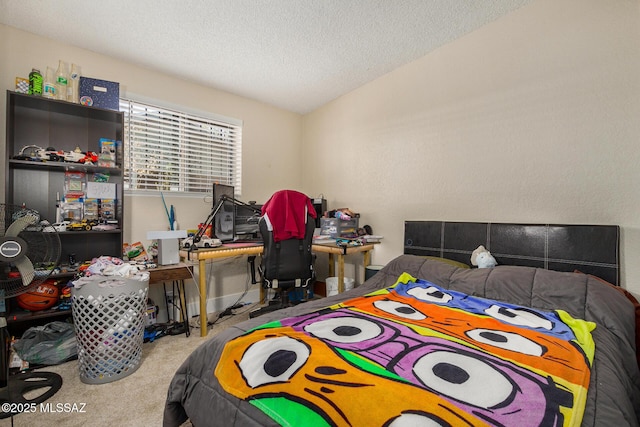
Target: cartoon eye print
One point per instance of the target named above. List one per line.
(273, 360)
(519, 317)
(430, 294)
(417, 419)
(399, 309)
(344, 330)
(464, 378)
(507, 341)
(454, 383)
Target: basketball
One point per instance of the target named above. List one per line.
(44, 296)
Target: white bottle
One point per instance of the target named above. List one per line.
(62, 78)
(73, 88)
(49, 87)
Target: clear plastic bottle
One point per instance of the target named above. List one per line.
(35, 82)
(73, 88)
(49, 89)
(62, 79)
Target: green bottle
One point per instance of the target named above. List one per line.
(35, 82)
(62, 78)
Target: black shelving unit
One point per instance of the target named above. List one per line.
(42, 122)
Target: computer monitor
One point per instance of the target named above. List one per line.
(224, 221)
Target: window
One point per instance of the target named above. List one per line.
(174, 151)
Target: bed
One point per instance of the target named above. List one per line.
(428, 342)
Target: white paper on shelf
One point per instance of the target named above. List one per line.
(101, 190)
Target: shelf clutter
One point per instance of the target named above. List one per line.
(341, 226)
(65, 83)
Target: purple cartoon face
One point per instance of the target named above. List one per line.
(456, 372)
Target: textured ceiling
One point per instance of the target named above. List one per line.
(294, 54)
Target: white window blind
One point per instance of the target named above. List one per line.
(173, 151)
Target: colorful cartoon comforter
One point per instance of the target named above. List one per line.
(432, 355)
(502, 346)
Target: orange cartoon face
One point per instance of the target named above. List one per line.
(281, 371)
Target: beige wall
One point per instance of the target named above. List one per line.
(271, 137)
(533, 118)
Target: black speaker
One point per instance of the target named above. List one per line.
(246, 222)
(224, 221)
(320, 205)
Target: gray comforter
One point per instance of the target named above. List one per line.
(614, 391)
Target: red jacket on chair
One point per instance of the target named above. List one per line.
(286, 214)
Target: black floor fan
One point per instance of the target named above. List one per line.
(29, 251)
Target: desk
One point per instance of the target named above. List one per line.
(341, 251)
(164, 273)
(202, 255)
(178, 273)
(236, 249)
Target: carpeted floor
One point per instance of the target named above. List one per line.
(136, 400)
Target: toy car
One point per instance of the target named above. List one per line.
(109, 221)
(37, 153)
(76, 226)
(50, 154)
(78, 156)
(73, 156)
(86, 225)
(28, 152)
(105, 227)
(205, 242)
(61, 226)
(90, 158)
(43, 225)
(91, 222)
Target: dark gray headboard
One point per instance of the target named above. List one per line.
(591, 249)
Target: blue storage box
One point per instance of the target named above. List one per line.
(99, 93)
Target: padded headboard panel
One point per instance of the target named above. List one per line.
(591, 249)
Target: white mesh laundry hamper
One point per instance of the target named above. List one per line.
(109, 323)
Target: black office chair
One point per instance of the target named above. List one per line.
(287, 265)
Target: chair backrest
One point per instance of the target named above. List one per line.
(287, 263)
